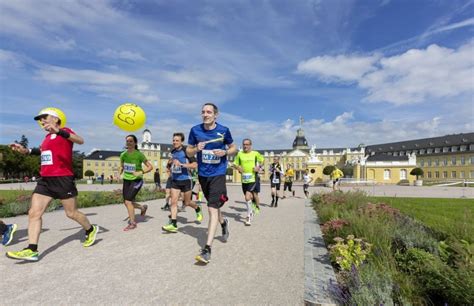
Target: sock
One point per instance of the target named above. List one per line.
(89, 230)
(3, 228)
(174, 222)
(249, 207)
(33, 247)
(198, 209)
(276, 200)
(273, 197)
(208, 247)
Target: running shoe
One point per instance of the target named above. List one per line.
(204, 256)
(170, 228)
(8, 235)
(166, 207)
(25, 254)
(225, 230)
(144, 209)
(199, 216)
(255, 209)
(130, 226)
(248, 221)
(90, 239)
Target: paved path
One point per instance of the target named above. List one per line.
(375, 190)
(261, 264)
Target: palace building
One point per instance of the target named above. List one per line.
(444, 158)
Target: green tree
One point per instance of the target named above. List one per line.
(328, 170)
(77, 162)
(417, 172)
(23, 141)
(89, 173)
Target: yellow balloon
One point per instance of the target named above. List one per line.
(60, 115)
(129, 117)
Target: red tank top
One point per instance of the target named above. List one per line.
(56, 155)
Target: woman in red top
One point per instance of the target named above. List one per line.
(56, 182)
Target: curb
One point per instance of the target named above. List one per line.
(319, 274)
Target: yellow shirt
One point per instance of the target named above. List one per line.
(289, 173)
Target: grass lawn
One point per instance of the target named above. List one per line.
(451, 216)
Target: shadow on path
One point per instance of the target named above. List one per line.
(199, 233)
(22, 235)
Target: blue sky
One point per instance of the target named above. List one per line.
(357, 71)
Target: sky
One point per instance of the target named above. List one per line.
(366, 72)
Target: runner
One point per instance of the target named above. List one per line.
(209, 141)
(7, 231)
(157, 179)
(56, 182)
(167, 186)
(336, 174)
(247, 162)
(131, 161)
(306, 180)
(289, 174)
(181, 182)
(275, 180)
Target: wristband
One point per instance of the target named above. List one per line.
(64, 134)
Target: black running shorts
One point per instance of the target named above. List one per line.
(57, 187)
(288, 186)
(182, 185)
(131, 189)
(168, 183)
(250, 187)
(214, 189)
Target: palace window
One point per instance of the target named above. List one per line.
(454, 149)
(461, 174)
(445, 161)
(386, 174)
(429, 174)
(429, 151)
(422, 163)
(437, 150)
(453, 174)
(97, 164)
(472, 173)
(445, 174)
(422, 151)
(463, 148)
(463, 160)
(471, 147)
(429, 162)
(437, 162)
(445, 149)
(436, 174)
(403, 174)
(453, 160)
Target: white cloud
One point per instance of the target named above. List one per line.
(105, 84)
(338, 68)
(210, 79)
(412, 77)
(123, 54)
(50, 23)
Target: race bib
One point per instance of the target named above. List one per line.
(246, 177)
(208, 157)
(176, 169)
(46, 158)
(276, 180)
(129, 168)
